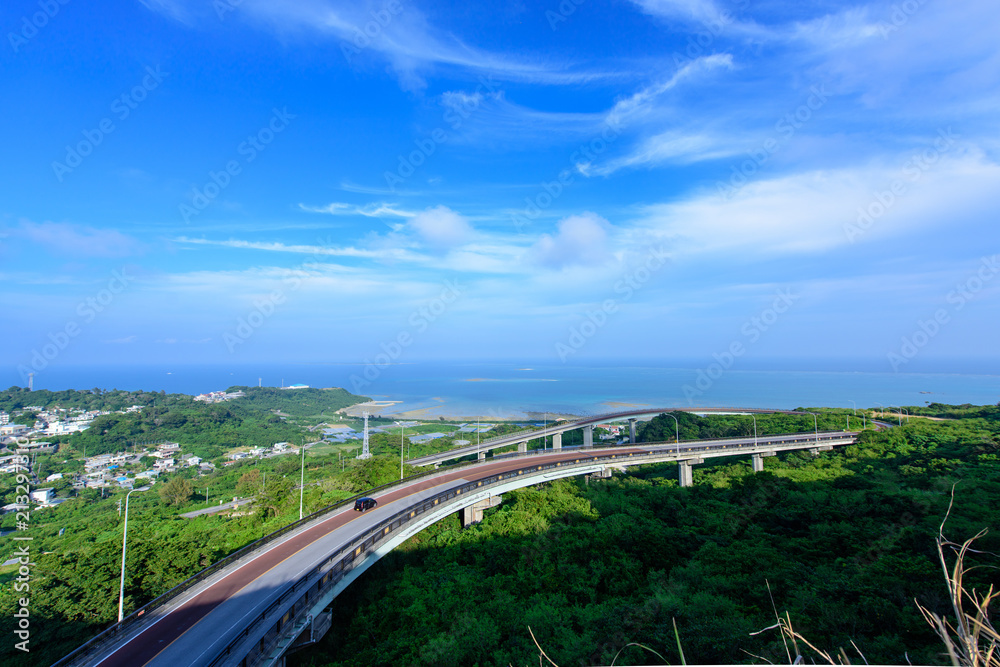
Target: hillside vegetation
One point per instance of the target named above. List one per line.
(845, 541)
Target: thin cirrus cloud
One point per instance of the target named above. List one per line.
(410, 43)
(374, 210)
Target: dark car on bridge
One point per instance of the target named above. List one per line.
(364, 504)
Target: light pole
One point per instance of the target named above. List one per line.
(881, 414)
(302, 476)
(754, 428)
(121, 589)
(400, 425)
(815, 426)
(677, 433)
(855, 406)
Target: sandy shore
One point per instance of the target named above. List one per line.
(437, 412)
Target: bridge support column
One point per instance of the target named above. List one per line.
(758, 460)
(588, 436)
(822, 448)
(474, 513)
(482, 456)
(557, 441)
(522, 447)
(631, 431)
(685, 473)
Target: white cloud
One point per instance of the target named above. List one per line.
(818, 211)
(374, 210)
(441, 228)
(580, 240)
(405, 37)
(398, 254)
(674, 146)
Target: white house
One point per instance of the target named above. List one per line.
(43, 496)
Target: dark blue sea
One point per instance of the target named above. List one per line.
(510, 390)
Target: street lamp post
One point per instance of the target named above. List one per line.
(677, 433)
(400, 448)
(121, 589)
(855, 406)
(815, 426)
(302, 476)
(754, 429)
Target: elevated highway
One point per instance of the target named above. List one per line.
(556, 429)
(255, 605)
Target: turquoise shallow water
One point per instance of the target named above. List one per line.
(512, 390)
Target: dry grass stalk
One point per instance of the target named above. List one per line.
(972, 640)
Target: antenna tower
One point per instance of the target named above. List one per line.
(365, 454)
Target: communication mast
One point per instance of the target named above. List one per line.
(365, 454)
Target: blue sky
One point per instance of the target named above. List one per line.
(807, 183)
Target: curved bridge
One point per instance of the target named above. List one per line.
(255, 605)
(556, 429)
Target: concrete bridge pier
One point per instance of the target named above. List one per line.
(482, 456)
(631, 431)
(685, 472)
(474, 513)
(522, 447)
(758, 460)
(588, 436)
(822, 448)
(557, 441)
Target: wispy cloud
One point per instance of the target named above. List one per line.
(397, 254)
(407, 39)
(375, 210)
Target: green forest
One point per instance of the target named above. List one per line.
(843, 542)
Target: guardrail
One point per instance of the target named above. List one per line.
(379, 531)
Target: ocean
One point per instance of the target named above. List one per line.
(514, 391)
